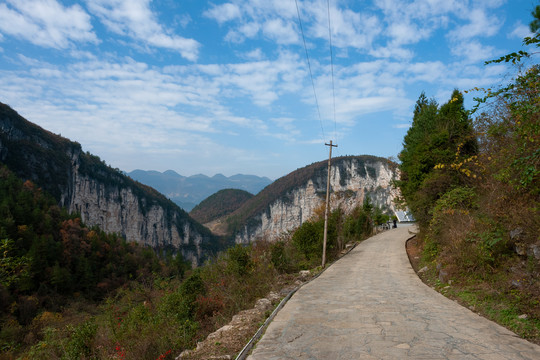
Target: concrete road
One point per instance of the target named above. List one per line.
(371, 305)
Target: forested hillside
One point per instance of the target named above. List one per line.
(70, 291)
(103, 196)
(284, 186)
(472, 180)
(219, 204)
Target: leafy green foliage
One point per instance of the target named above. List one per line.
(239, 261)
(535, 23)
(356, 226)
(483, 223)
(308, 239)
(47, 255)
(438, 135)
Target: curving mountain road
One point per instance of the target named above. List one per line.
(371, 305)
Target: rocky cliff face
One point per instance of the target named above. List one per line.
(103, 196)
(119, 209)
(352, 179)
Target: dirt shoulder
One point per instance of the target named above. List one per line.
(498, 299)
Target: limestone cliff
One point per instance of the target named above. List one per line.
(103, 196)
(293, 199)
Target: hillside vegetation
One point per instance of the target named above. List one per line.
(50, 161)
(49, 258)
(72, 292)
(471, 179)
(219, 204)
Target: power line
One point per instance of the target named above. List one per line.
(309, 66)
(332, 67)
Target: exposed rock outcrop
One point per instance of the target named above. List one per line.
(103, 196)
(352, 179)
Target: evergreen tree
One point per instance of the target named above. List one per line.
(438, 135)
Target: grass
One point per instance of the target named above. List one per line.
(512, 304)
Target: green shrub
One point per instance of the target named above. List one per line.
(278, 256)
(239, 261)
(358, 225)
(80, 344)
(457, 200)
(308, 239)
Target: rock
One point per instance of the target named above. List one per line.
(523, 316)
(184, 354)
(520, 249)
(219, 332)
(273, 297)
(516, 233)
(423, 270)
(516, 284)
(352, 179)
(263, 304)
(443, 275)
(304, 274)
(535, 251)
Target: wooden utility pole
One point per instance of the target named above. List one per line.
(327, 204)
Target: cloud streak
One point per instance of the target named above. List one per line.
(135, 19)
(46, 23)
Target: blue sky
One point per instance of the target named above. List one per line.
(223, 86)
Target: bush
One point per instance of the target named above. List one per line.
(358, 225)
(80, 344)
(308, 239)
(239, 261)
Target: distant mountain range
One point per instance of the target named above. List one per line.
(189, 191)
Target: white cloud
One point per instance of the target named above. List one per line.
(223, 13)
(392, 51)
(473, 51)
(46, 23)
(429, 72)
(480, 24)
(277, 20)
(250, 29)
(280, 31)
(349, 28)
(134, 18)
(255, 54)
(520, 31)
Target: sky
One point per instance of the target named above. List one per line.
(224, 86)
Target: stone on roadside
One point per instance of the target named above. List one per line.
(304, 274)
(263, 304)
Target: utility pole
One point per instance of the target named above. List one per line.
(327, 203)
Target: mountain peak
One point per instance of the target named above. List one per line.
(173, 174)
